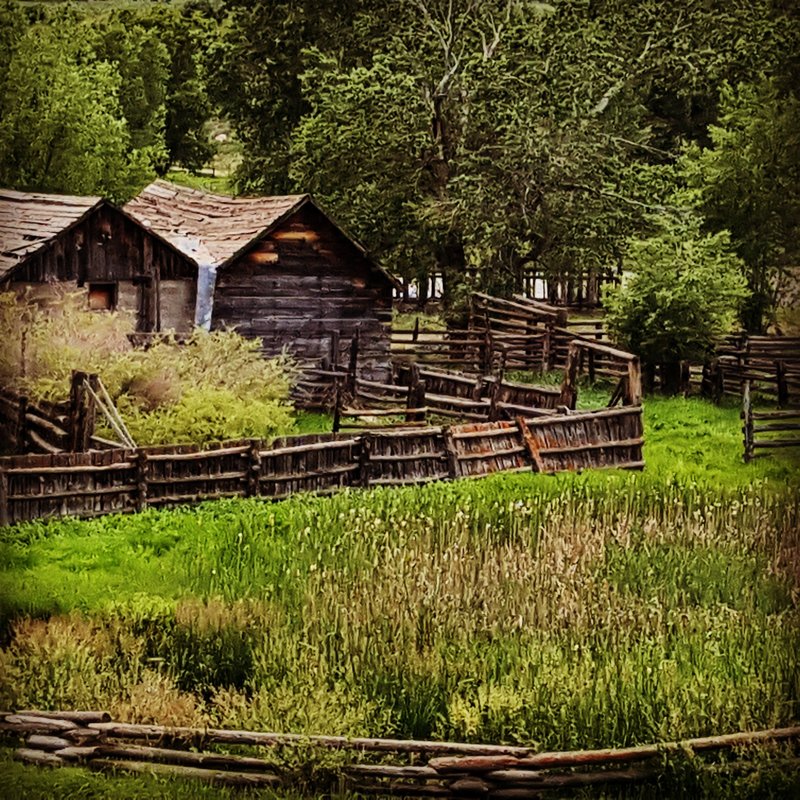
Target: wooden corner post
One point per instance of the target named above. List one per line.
(634, 388)
(569, 390)
(747, 416)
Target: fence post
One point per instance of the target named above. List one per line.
(141, 480)
(633, 395)
(21, 433)
(747, 415)
(4, 513)
(337, 408)
(590, 365)
(82, 411)
(486, 354)
(416, 398)
(783, 386)
(364, 461)
(494, 398)
(569, 392)
(547, 347)
(254, 468)
(450, 452)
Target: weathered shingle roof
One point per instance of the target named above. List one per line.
(210, 228)
(29, 221)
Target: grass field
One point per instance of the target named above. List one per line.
(563, 611)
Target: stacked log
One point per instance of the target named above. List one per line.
(82, 738)
(453, 769)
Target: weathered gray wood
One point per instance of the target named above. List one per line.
(221, 736)
(221, 778)
(71, 716)
(577, 758)
(38, 757)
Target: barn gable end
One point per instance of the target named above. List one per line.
(303, 283)
(285, 272)
(52, 242)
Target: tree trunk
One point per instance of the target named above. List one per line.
(670, 377)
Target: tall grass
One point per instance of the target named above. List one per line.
(574, 611)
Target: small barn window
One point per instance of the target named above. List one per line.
(102, 296)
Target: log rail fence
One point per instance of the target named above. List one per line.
(766, 430)
(417, 768)
(125, 480)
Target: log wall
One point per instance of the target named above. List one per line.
(303, 285)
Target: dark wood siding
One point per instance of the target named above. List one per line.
(108, 247)
(301, 284)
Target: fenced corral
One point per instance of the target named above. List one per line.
(617, 365)
(126, 480)
(321, 463)
(768, 430)
(28, 426)
(419, 393)
(409, 768)
(771, 364)
(484, 448)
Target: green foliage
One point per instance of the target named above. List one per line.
(486, 138)
(682, 293)
(61, 123)
(747, 182)
(216, 386)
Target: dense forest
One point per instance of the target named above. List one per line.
(474, 139)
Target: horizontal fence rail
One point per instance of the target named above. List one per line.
(127, 480)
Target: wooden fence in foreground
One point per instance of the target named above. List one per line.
(126, 480)
(416, 769)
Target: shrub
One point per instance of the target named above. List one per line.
(214, 386)
(682, 291)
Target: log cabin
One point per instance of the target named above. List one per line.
(277, 269)
(52, 242)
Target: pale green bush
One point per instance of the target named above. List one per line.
(213, 386)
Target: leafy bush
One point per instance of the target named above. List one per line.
(682, 291)
(214, 386)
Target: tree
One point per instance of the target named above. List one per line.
(142, 62)
(682, 291)
(748, 182)
(61, 123)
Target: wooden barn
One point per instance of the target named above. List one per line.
(277, 268)
(86, 243)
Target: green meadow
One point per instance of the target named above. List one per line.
(569, 611)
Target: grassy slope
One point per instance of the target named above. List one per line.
(82, 564)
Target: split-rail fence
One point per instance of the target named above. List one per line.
(765, 430)
(377, 766)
